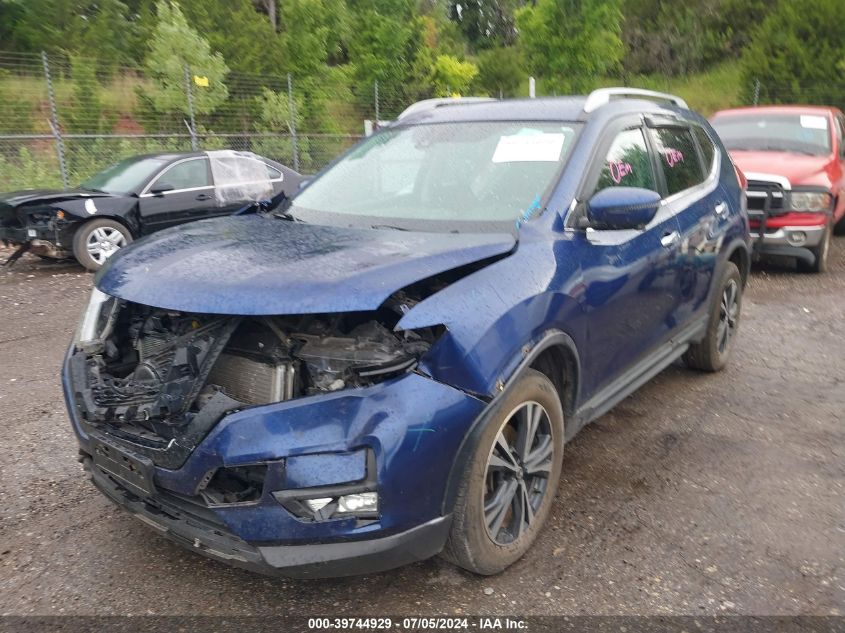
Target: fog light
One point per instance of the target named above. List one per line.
(358, 503)
(31, 233)
(318, 504)
(797, 237)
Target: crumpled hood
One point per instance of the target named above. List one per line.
(256, 265)
(797, 168)
(17, 198)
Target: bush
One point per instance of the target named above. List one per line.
(793, 53)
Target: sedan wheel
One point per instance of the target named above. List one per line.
(97, 240)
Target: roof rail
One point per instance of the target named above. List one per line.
(603, 96)
(430, 104)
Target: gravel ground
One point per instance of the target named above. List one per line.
(698, 495)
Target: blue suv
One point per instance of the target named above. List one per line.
(387, 367)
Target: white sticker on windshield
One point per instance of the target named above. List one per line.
(523, 148)
(813, 122)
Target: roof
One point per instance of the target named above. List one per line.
(778, 109)
(167, 156)
(539, 109)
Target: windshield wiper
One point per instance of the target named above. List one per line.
(286, 215)
(388, 226)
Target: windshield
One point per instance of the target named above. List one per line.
(127, 176)
(796, 133)
(448, 175)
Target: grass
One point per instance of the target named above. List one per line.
(706, 92)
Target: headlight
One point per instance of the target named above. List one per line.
(95, 320)
(815, 201)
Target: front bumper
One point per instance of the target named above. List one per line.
(413, 426)
(790, 241)
(197, 529)
(43, 240)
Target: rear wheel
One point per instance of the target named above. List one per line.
(510, 484)
(714, 350)
(821, 253)
(97, 240)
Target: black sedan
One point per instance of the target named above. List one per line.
(135, 197)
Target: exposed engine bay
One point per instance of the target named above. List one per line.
(157, 376)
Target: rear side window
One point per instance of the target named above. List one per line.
(708, 150)
(627, 163)
(678, 158)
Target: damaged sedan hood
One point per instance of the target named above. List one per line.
(46, 196)
(257, 265)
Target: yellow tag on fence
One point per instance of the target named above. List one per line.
(201, 81)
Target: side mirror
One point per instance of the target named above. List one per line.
(622, 208)
(161, 187)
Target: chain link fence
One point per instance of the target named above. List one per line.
(62, 119)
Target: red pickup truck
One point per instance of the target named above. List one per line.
(794, 159)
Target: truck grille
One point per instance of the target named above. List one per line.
(762, 193)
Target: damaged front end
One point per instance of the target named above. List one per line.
(162, 379)
(39, 229)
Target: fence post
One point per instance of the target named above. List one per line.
(292, 124)
(532, 88)
(756, 92)
(54, 120)
(189, 93)
(375, 98)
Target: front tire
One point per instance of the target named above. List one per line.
(714, 350)
(97, 240)
(821, 252)
(510, 483)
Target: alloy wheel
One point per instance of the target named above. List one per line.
(517, 473)
(103, 242)
(728, 315)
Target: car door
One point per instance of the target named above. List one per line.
(182, 192)
(630, 282)
(687, 159)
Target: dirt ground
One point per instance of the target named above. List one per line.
(699, 495)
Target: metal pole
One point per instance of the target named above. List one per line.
(54, 121)
(375, 97)
(189, 93)
(292, 125)
(532, 88)
(756, 92)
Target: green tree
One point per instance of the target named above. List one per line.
(85, 111)
(793, 51)
(244, 37)
(486, 23)
(500, 71)
(570, 43)
(450, 76)
(174, 46)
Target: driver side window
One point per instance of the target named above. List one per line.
(187, 175)
(627, 163)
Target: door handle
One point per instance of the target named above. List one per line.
(721, 210)
(670, 239)
(203, 196)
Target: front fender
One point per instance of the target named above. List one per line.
(123, 210)
(496, 313)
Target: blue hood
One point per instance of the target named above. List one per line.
(255, 265)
